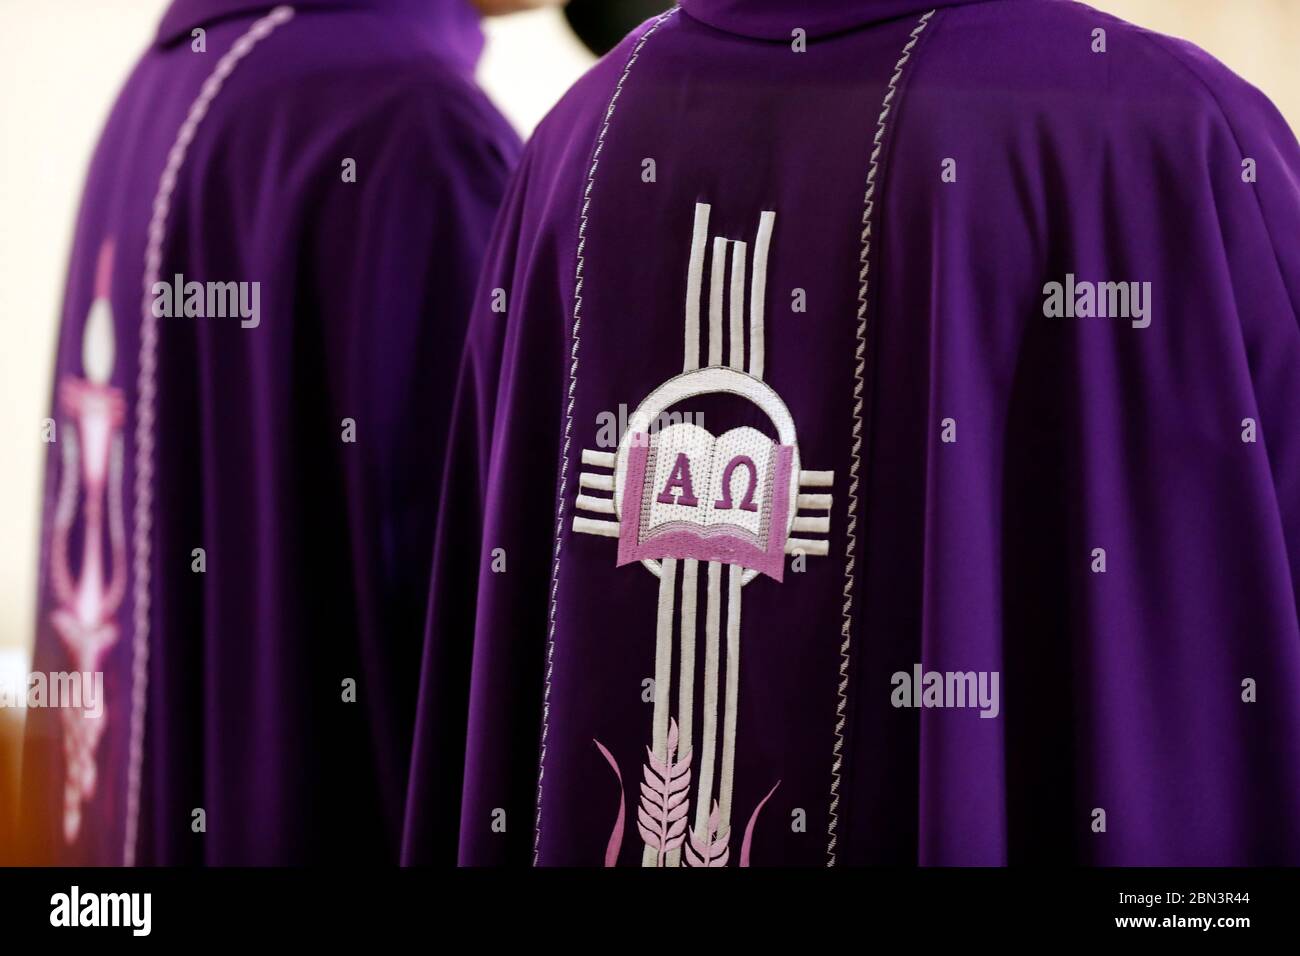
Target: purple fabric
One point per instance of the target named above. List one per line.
(317, 551)
(1122, 690)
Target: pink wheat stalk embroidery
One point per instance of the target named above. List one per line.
(661, 817)
(615, 835)
(749, 827)
(708, 847)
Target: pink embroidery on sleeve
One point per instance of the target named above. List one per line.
(616, 834)
(665, 799)
(708, 847)
(86, 601)
(749, 827)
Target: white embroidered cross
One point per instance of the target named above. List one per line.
(676, 494)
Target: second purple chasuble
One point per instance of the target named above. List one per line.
(888, 456)
(265, 306)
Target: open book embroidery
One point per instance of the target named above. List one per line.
(691, 495)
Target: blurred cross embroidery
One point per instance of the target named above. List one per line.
(676, 494)
(85, 603)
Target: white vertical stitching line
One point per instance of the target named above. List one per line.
(846, 627)
(726, 776)
(758, 289)
(663, 676)
(737, 296)
(568, 417)
(147, 387)
(717, 285)
(686, 672)
(709, 726)
(694, 276)
(686, 682)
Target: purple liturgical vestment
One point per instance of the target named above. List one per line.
(889, 455)
(270, 277)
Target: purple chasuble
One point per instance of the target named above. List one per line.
(889, 456)
(269, 283)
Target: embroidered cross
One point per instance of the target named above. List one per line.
(674, 494)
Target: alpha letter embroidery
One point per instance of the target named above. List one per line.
(683, 495)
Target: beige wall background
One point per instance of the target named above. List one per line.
(62, 62)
